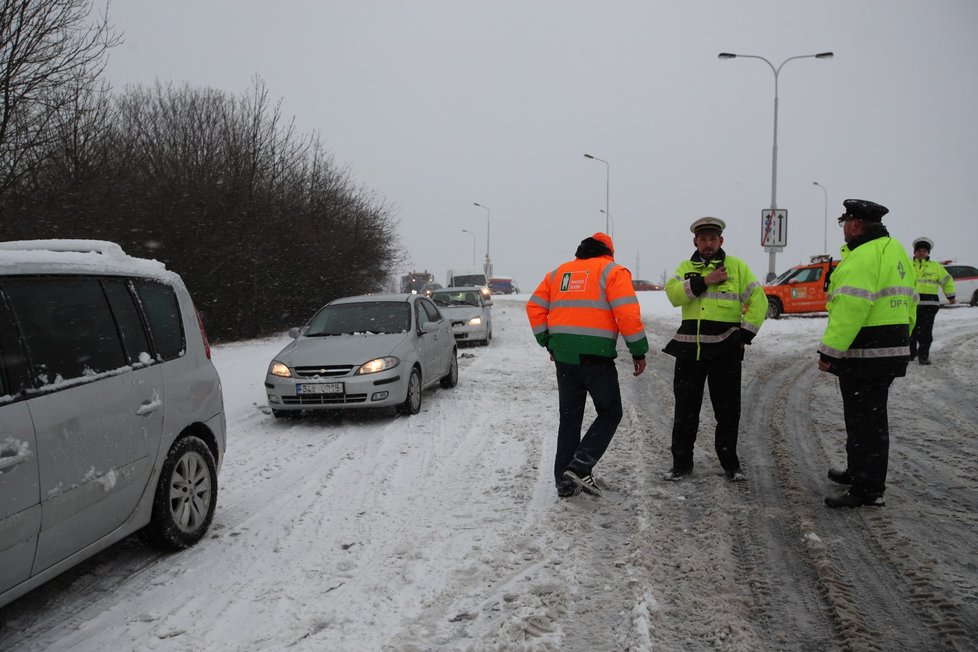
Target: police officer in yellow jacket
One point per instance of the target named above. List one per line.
(577, 312)
(872, 309)
(714, 290)
(931, 275)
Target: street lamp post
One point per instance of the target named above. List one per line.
(473, 244)
(825, 225)
(607, 188)
(488, 265)
(774, 150)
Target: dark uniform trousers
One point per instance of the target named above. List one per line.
(723, 376)
(923, 332)
(867, 431)
(574, 383)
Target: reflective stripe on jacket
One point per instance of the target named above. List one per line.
(931, 275)
(581, 307)
(716, 320)
(872, 303)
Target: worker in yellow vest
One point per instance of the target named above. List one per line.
(723, 308)
(872, 309)
(931, 275)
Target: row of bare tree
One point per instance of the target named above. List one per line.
(257, 219)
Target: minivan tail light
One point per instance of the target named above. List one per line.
(203, 334)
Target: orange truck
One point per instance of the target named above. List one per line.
(801, 289)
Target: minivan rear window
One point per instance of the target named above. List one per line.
(163, 312)
(67, 327)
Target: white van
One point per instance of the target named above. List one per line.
(111, 412)
(467, 276)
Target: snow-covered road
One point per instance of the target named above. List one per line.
(368, 531)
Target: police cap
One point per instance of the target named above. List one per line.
(923, 243)
(708, 224)
(863, 209)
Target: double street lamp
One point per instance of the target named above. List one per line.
(825, 226)
(607, 189)
(774, 150)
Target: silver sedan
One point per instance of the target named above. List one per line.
(364, 352)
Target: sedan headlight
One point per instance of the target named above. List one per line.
(475, 321)
(378, 364)
(279, 369)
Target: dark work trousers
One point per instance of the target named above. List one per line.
(923, 332)
(574, 384)
(723, 375)
(867, 431)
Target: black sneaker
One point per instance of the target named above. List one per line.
(850, 499)
(567, 489)
(674, 474)
(840, 477)
(583, 480)
(924, 361)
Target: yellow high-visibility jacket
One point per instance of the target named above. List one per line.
(930, 276)
(872, 307)
(716, 318)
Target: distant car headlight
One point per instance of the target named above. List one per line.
(279, 369)
(475, 321)
(378, 364)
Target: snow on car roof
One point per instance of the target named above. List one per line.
(75, 257)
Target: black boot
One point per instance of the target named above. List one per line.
(840, 477)
(855, 499)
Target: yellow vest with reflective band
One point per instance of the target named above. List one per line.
(931, 275)
(872, 303)
(580, 308)
(711, 319)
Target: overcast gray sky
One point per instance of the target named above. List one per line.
(436, 104)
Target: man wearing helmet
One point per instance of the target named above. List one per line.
(930, 276)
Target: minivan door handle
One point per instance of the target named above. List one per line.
(9, 462)
(148, 407)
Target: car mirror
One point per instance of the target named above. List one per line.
(488, 302)
(429, 327)
(794, 280)
(294, 332)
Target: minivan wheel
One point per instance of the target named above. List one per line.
(412, 404)
(185, 498)
(450, 379)
(974, 299)
(774, 309)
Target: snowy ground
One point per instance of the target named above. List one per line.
(443, 530)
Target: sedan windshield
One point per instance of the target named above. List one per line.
(467, 298)
(375, 317)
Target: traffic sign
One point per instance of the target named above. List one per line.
(774, 227)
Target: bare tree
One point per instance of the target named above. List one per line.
(51, 53)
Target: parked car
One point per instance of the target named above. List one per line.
(503, 285)
(468, 310)
(965, 283)
(364, 352)
(111, 412)
(801, 289)
(429, 288)
(639, 285)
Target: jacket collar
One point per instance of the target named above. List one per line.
(873, 232)
(720, 256)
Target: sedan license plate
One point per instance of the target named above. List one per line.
(319, 388)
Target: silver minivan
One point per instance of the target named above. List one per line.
(111, 411)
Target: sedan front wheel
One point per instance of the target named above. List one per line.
(412, 404)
